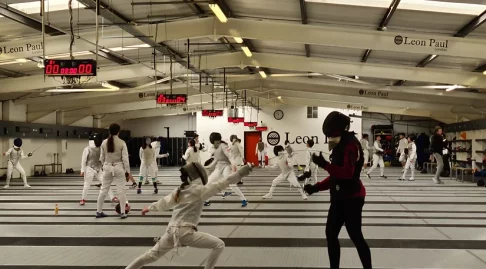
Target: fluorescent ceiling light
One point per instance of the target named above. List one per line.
(280, 97)
(484, 72)
(67, 55)
(417, 5)
(107, 88)
(218, 12)
(238, 39)
(247, 51)
(263, 74)
(128, 47)
(452, 88)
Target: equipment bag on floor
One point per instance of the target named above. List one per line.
(481, 183)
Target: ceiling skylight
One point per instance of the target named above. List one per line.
(33, 7)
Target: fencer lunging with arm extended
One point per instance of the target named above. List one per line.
(14, 155)
(344, 183)
(187, 204)
(116, 168)
(91, 166)
(222, 166)
(286, 167)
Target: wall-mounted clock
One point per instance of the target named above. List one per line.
(278, 114)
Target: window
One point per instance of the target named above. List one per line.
(312, 112)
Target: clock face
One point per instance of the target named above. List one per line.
(278, 114)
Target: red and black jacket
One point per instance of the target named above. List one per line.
(344, 170)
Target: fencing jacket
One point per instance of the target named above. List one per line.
(15, 156)
(289, 150)
(365, 144)
(412, 151)
(91, 158)
(260, 147)
(283, 163)
(187, 212)
(377, 147)
(402, 145)
(190, 156)
(236, 153)
(147, 155)
(120, 155)
(222, 155)
(308, 158)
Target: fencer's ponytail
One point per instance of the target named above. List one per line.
(178, 193)
(114, 130)
(192, 142)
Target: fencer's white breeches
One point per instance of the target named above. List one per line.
(366, 156)
(261, 157)
(410, 164)
(402, 157)
(148, 170)
(113, 174)
(378, 160)
(19, 168)
(187, 237)
(290, 177)
(89, 175)
(223, 171)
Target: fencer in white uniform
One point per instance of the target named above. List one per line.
(237, 154)
(14, 155)
(187, 204)
(261, 151)
(411, 159)
(91, 167)
(116, 169)
(290, 153)
(402, 145)
(365, 144)
(147, 157)
(377, 159)
(310, 166)
(200, 146)
(222, 166)
(156, 147)
(192, 153)
(286, 167)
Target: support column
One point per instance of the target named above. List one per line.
(61, 143)
(96, 122)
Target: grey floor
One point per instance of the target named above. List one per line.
(407, 224)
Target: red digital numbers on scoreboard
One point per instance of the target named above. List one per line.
(70, 68)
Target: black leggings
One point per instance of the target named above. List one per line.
(347, 212)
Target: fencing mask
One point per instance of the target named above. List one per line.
(17, 142)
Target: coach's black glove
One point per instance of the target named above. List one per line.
(310, 189)
(319, 160)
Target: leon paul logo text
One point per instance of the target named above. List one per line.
(417, 42)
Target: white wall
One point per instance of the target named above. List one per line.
(84, 122)
(295, 122)
(155, 126)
